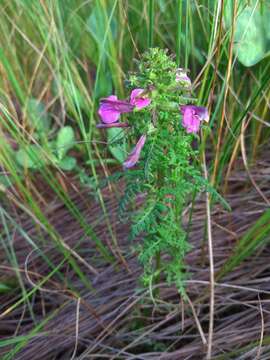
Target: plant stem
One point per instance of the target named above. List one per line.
(158, 264)
(151, 23)
(158, 254)
(187, 35)
(211, 268)
(179, 30)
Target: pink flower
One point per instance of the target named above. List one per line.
(134, 156)
(192, 117)
(181, 76)
(111, 108)
(137, 100)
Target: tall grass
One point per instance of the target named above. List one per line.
(68, 54)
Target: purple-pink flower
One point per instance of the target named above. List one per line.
(111, 108)
(134, 156)
(192, 117)
(138, 99)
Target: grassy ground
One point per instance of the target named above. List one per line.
(59, 239)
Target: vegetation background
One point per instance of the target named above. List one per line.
(68, 276)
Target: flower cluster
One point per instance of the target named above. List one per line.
(111, 108)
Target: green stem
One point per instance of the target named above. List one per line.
(179, 31)
(160, 184)
(157, 279)
(187, 35)
(151, 23)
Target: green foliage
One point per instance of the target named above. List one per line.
(31, 157)
(65, 141)
(5, 288)
(117, 144)
(38, 117)
(68, 163)
(97, 24)
(132, 190)
(252, 29)
(34, 157)
(167, 174)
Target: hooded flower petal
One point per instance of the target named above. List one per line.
(134, 156)
(111, 108)
(192, 117)
(181, 76)
(136, 100)
(202, 113)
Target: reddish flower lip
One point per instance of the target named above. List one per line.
(111, 108)
(116, 105)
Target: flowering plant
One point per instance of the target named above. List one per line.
(160, 117)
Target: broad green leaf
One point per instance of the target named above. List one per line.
(30, 157)
(38, 116)
(65, 141)
(252, 31)
(162, 5)
(97, 24)
(117, 149)
(104, 83)
(68, 163)
(4, 288)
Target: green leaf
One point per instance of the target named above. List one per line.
(101, 31)
(68, 163)
(252, 31)
(97, 25)
(73, 93)
(118, 150)
(30, 157)
(104, 82)
(38, 116)
(4, 288)
(6, 181)
(65, 141)
(162, 5)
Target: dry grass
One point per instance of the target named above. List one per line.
(117, 319)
